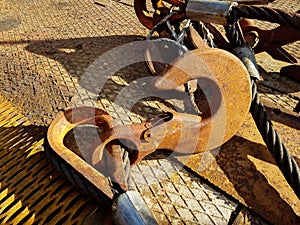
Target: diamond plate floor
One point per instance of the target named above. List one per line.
(178, 197)
(48, 46)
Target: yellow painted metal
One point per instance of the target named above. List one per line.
(31, 192)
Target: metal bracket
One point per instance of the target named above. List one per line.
(209, 11)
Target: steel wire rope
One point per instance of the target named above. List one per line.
(283, 158)
(267, 14)
(83, 183)
(280, 153)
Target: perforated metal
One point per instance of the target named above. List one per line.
(31, 192)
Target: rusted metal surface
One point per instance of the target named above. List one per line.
(48, 58)
(248, 192)
(160, 11)
(272, 41)
(216, 70)
(244, 169)
(226, 75)
(229, 100)
(259, 39)
(147, 136)
(194, 38)
(63, 124)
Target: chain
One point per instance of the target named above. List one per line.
(207, 36)
(161, 22)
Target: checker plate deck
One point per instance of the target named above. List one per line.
(45, 48)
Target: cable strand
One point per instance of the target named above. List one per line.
(283, 158)
(267, 14)
(280, 153)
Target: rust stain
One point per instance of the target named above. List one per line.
(245, 169)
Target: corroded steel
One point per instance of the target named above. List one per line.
(271, 41)
(46, 44)
(62, 125)
(172, 129)
(228, 83)
(162, 132)
(244, 169)
(160, 8)
(213, 66)
(194, 38)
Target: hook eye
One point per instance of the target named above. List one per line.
(68, 161)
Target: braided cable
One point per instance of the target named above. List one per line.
(283, 158)
(84, 184)
(234, 34)
(267, 14)
(280, 153)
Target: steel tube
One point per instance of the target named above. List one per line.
(130, 208)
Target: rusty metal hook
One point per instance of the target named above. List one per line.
(179, 132)
(63, 124)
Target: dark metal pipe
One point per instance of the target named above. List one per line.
(130, 208)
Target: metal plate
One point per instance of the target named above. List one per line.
(42, 62)
(31, 192)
